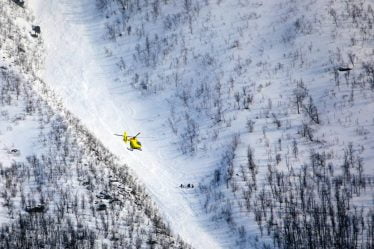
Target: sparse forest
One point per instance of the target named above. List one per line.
(277, 96)
(273, 100)
(71, 192)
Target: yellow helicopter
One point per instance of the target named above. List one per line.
(135, 144)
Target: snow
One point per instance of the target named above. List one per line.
(77, 69)
(82, 68)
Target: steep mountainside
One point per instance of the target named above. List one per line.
(264, 107)
(267, 106)
(59, 187)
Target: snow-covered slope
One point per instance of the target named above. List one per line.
(75, 69)
(229, 96)
(59, 186)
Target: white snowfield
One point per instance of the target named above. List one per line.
(248, 63)
(78, 70)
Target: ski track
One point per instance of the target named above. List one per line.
(79, 71)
